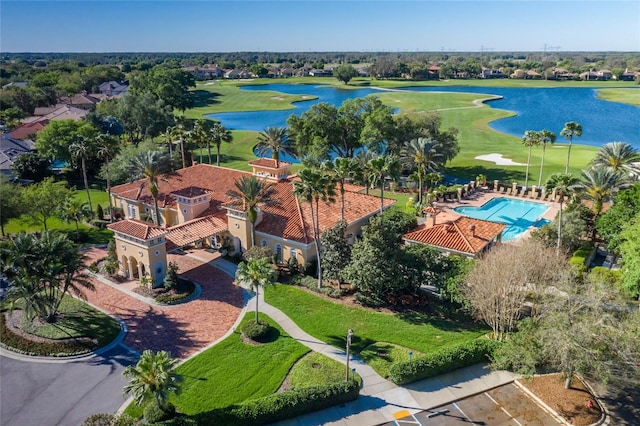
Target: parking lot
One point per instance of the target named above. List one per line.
(505, 405)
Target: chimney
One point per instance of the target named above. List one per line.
(472, 228)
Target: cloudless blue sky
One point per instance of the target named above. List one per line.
(301, 25)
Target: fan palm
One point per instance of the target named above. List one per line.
(546, 136)
(75, 210)
(154, 377)
(315, 186)
(341, 169)
(363, 160)
(565, 185)
(150, 165)
(275, 140)
(107, 148)
(256, 273)
(200, 136)
(383, 166)
(250, 194)
(570, 130)
(218, 134)
(81, 149)
(424, 156)
(617, 155)
(530, 139)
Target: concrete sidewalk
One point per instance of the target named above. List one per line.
(379, 398)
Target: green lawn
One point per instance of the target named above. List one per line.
(232, 371)
(315, 369)
(456, 110)
(329, 322)
(625, 96)
(381, 356)
(77, 319)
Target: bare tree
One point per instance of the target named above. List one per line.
(498, 286)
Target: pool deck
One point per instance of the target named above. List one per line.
(479, 198)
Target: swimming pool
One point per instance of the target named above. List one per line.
(518, 215)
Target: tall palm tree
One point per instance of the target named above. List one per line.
(546, 136)
(570, 130)
(250, 194)
(363, 159)
(620, 156)
(154, 377)
(565, 185)
(180, 131)
(81, 149)
(75, 210)
(341, 169)
(150, 165)
(199, 135)
(107, 148)
(315, 186)
(383, 166)
(168, 135)
(530, 139)
(424, 156)
(218, 134)
(275, 140)
(256, 273)
(599, 185)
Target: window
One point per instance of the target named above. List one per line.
(278, 253)
(264, 243)
(131, 211)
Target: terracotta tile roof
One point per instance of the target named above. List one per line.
(191, 191)
(288, 219)
(457, 235)
(269, 163)
(137, 229)
(431, 210)
(194, 230)
(28, 129)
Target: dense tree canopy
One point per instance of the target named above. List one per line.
(345, 73)
(56, 138)
(168, 83)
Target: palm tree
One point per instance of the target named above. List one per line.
(200, 136)
(250, 194)
(546, 136)
(341, 169)
(150, 165)
(154, 377)
(256, 273)
(75, 210)
(218, 134)
(363, 159)
(168, 135)
(565, 185)
(82, 149)
(424, 155)
(383, 166)
(315, 186)
(570, 130)
(180, 131)
(531, 138)
(107, 148)
(599, 185)
(617, 155)
(275, 140)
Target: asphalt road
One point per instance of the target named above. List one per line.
(61, 393)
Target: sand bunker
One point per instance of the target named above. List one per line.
(499, 160)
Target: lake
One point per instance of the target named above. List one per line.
(535, 108)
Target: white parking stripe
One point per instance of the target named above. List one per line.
(503, 409)
(467, 417)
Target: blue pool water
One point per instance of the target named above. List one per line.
(518, 215)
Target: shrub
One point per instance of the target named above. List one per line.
(153, 413)
(99, 223)
(284, 405)
(256, 330)
(257, 252)
(171, 279)
(105, 419)
(99, 212)
(579, 257)
(443, 361)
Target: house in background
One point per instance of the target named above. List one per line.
(83, 100)
(113, 88)
(28, 130)
(464, 236)
(195, 211)
(10, 149)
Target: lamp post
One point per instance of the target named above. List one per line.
(349, 335)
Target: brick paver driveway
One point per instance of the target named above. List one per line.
(180, 329)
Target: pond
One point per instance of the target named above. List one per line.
(535, 109)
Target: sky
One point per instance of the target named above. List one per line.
(318, 26)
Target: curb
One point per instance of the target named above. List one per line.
(541, 403)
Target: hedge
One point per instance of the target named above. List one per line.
(276, 407)
(579, 258)
(448, 359)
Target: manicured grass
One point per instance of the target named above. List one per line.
(456, 110)
(77, 319)
(316, 369)
(233, 371)
(625, 96)
(329, 322)
(381, 356)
